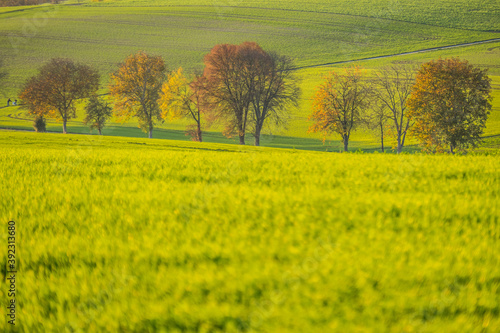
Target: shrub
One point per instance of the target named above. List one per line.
(39, 124)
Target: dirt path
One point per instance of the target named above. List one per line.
(401, 54)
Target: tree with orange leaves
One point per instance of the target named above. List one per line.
(339, 104)
(184, 98)
(56, 88)
(449, 104)
(136, 87)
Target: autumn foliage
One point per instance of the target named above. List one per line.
(136, 87)
(450, 103)
(59, 84)
(339, 104)
(184, 98)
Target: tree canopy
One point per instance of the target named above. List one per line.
(449, 104)
(391, 89)
(339, 104)
(225, 67)
(136, 87)
(184, 98)
(247, 86)
(97, 112)
(56, 88)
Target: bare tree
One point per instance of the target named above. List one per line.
(392, 88)
(247, 86)
(230, 97)
(274, 89)
(378, 120)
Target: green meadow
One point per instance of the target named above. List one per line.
(137, 235)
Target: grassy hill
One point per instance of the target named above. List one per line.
(126, 234)
(104, 33)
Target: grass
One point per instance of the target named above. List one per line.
(463, 14)
(104, 36)
(126, 234)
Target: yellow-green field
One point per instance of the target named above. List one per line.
(136, 235)
(117, 233)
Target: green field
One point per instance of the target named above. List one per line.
(118, 233)
(137, 235)
(103, 33)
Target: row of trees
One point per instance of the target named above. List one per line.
(445, 104)
(243, 87)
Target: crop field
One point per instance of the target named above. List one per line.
(118, 233)
(136, 235)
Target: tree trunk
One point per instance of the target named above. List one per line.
(257, 135)
(345, 138)
(382, 138)
(199, 133)
(400, 146)
(100, 133)
(150, 132)
(64, 126)
(452, 147)
(242, 139)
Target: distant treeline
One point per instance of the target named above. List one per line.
(7, 3)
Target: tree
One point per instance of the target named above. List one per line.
(97, 112)
(273, 89)
(339, 104)
(378, 120)
(56, 88)
(136, 87)
(449, 103)
(248, 86)
(392, 88)
(230, 97)
(181, 98)
(39, 124)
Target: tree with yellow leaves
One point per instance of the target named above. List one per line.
(184, 98)
(339, 104)
(136, 87)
